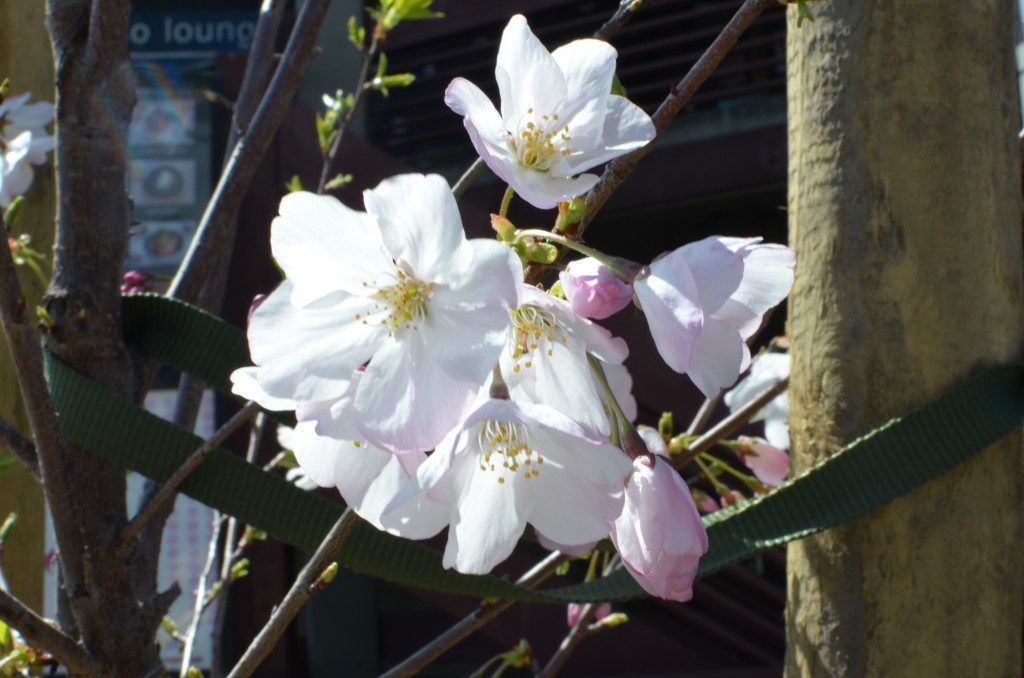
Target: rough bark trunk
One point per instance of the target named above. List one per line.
(112, 595)
(905, 212)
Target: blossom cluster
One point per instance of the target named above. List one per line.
(435, 389)
(23, 142)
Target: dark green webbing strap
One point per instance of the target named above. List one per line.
(927, 443)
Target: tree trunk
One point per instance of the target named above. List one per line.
(905, 213)
(111, 592)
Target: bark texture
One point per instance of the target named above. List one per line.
(905, 212)
(112, 599)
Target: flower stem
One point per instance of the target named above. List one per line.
(506, 200)
(624, 269)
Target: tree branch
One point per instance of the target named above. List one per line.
(473, 621)
(731, 424)
(38, 633)
(168, 489)
(619, 169)
(257, 68)
(303, 588)
(21, 446)
(223, 207)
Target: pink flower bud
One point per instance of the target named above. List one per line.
(134, 282)
(769, 463)
(593, 290)
(705, 502)
(659, 534)
(575, 610)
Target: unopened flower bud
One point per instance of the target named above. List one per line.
(540, 252)
(593, 290)
(505, 229)
(574, 611)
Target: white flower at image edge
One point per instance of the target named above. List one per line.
(399, 286)
(767, 369)
(705, 299)
(558, 117)
(511, 464)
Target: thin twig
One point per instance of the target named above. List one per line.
(200, 599)
(21, 446)
(168, 489)
(234, 181)
(257, 68)
(357, 98)
(230, 554)
(27, 358)
(40, 634)
(619, 169)
(579, 631)
(625, 12)
(731, 424)
(473, 621)
(301, 590)
(468, 177)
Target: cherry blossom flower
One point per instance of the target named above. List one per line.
(593, 290)
(512, 463)
(558, 117)
(367, 477)
(769, 463)
(659, 534)
(765, 371)
(16, 160)
(399, 287)
(546, 358)
(705, 299)
(23, 142)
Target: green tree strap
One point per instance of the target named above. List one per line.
(927, 443)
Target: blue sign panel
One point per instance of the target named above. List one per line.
(190, 33)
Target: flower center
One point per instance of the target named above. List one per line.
(533, 329)
(540, 143)
(506, 449)
(404, 304)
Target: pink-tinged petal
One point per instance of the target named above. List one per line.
(659, 534)
(593, 290)
(626, 128)
(718, 357)
(543, 190)
(488, 520)
(716, 269)
(406, 401)
(527, 74)
(481, 117)
(767, 276)
(671, 302)
(323, 246)
(769, 463)
(420, 224)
